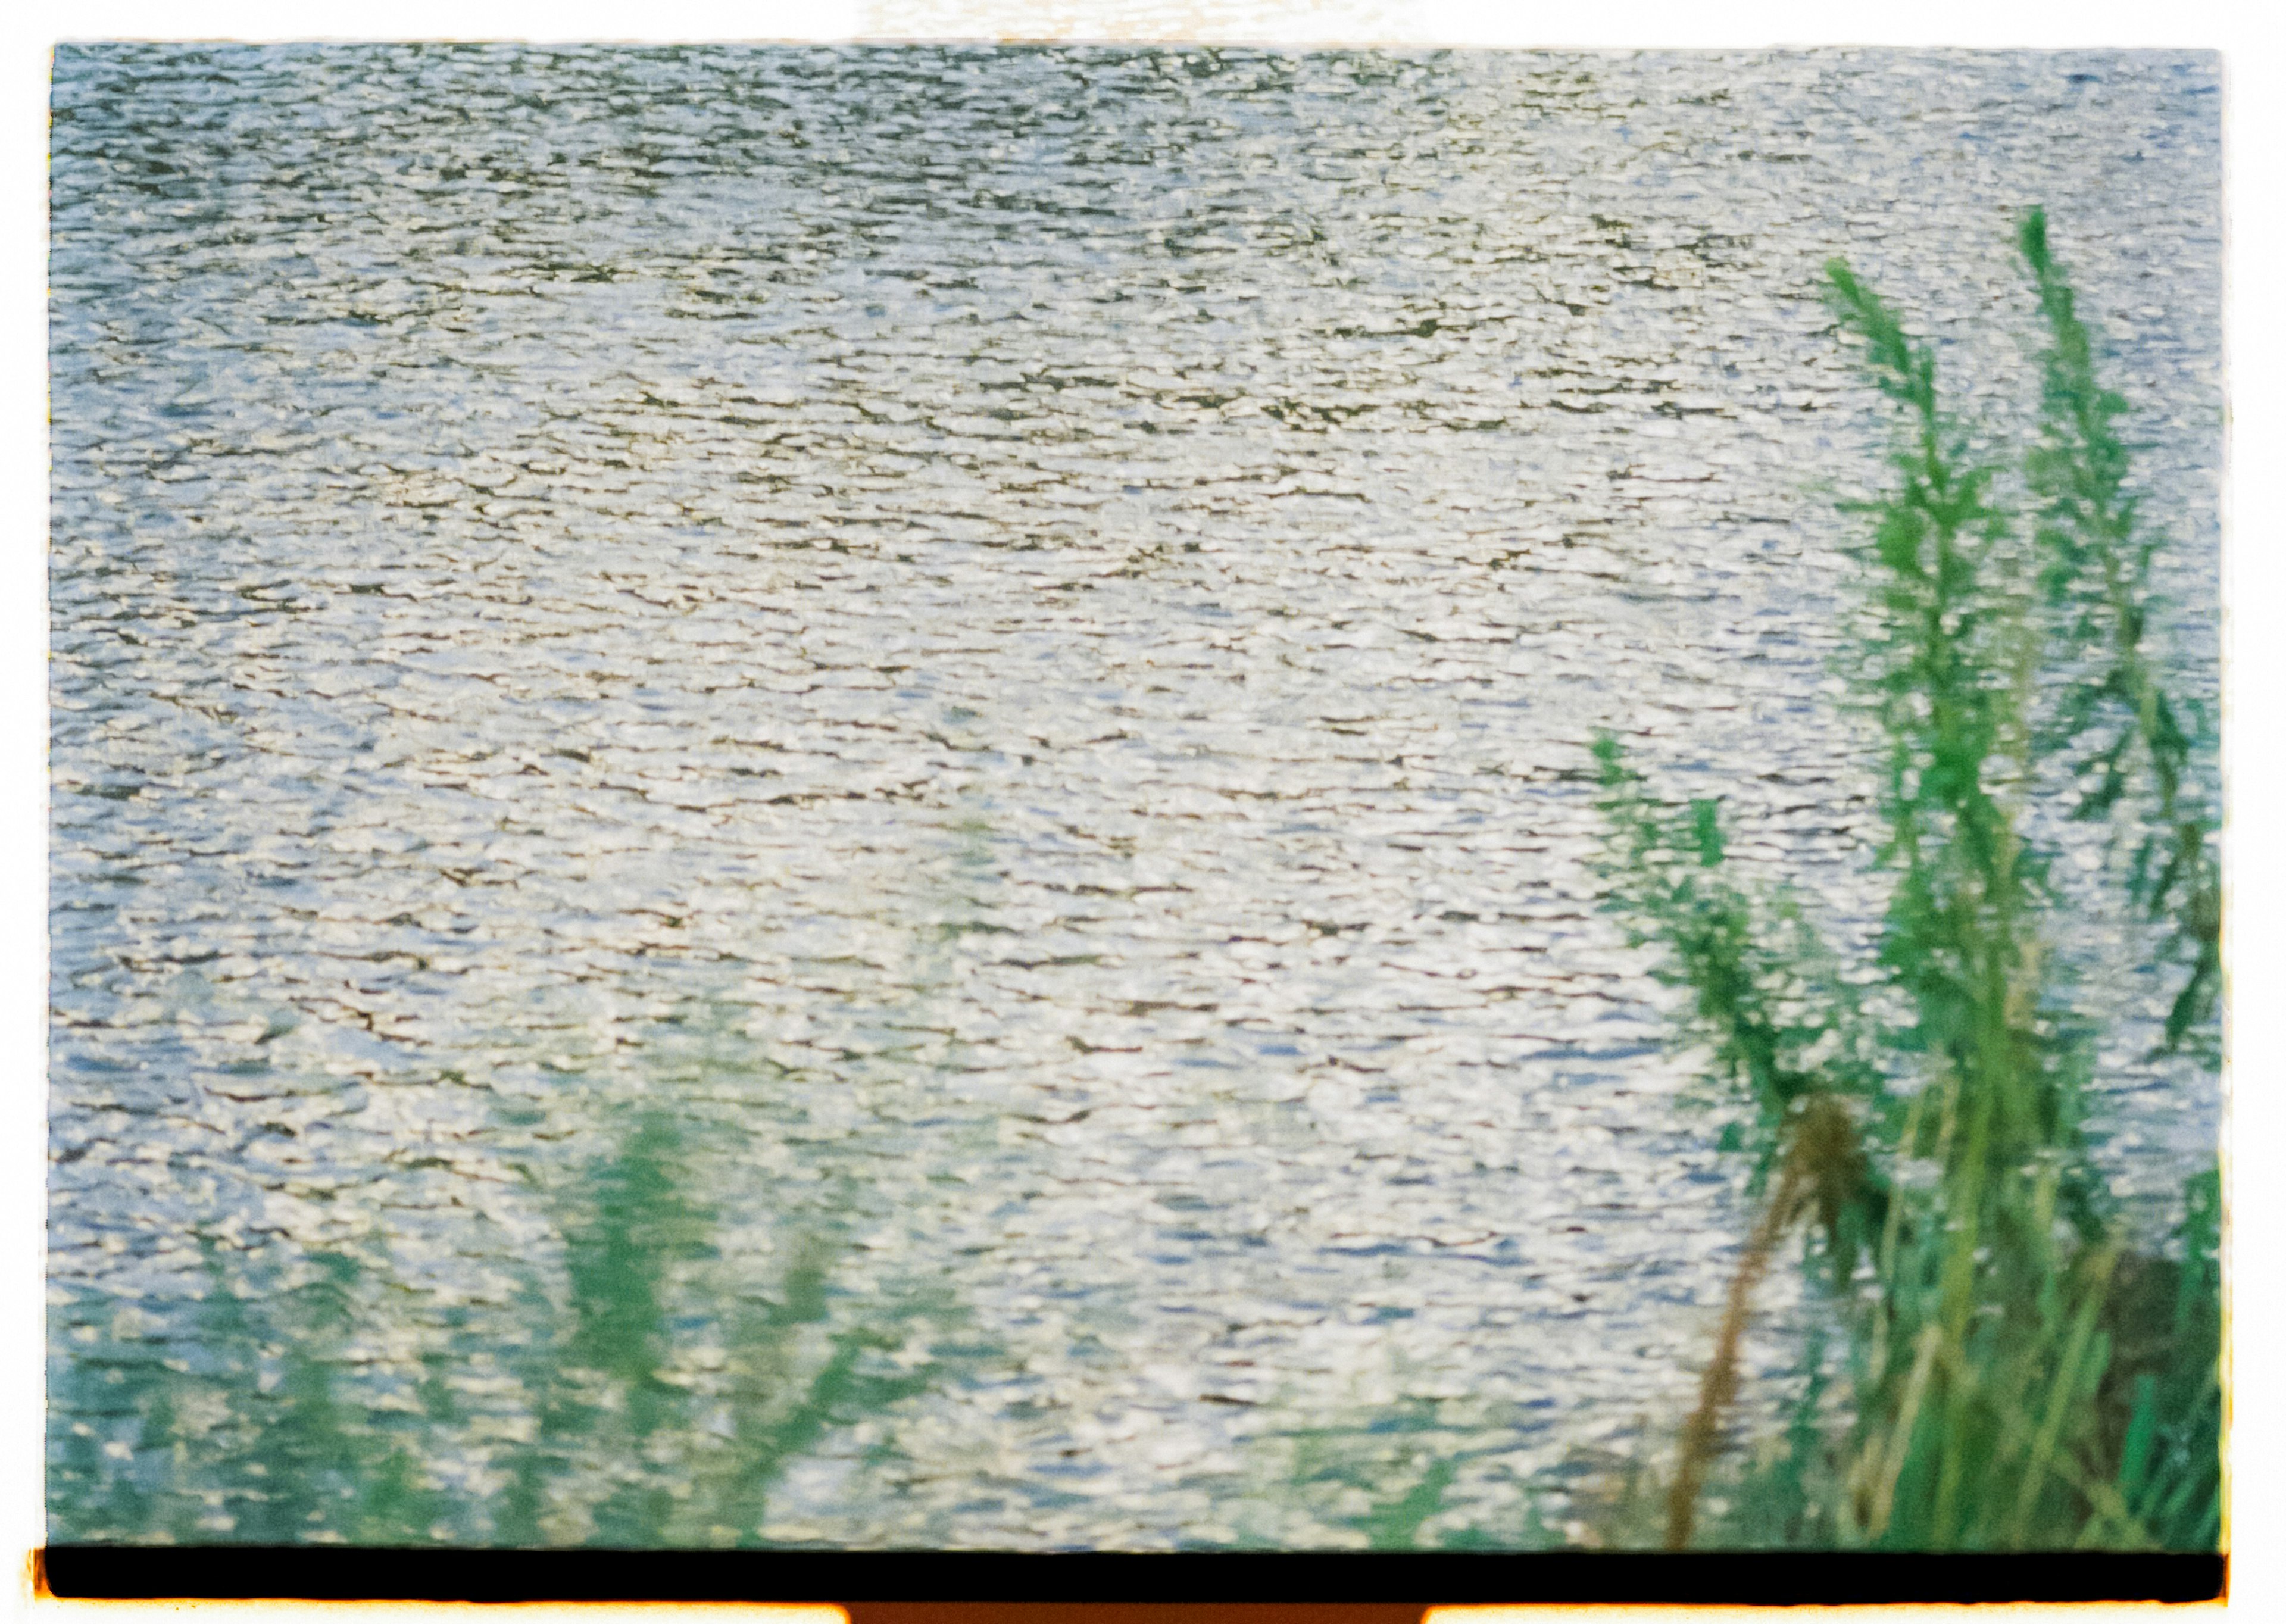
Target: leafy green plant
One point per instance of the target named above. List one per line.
(2019, 1376)
(630, 1421)
(1382, 1477)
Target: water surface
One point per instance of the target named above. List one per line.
(838, 794)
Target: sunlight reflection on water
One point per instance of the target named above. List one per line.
(979, 658)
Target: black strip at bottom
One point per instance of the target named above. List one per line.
(1121, 1580)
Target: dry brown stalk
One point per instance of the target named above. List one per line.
(1820, 1160)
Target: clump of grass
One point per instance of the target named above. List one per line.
(1383, 1479)
(619, 1417)
(2019, 1376)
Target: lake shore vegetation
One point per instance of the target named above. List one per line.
(2020, 1374)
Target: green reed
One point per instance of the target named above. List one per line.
(647, 1397)
(2018, 1376)
(1381, 1477)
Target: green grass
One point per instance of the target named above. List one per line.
(1381, 1476)
(2018, 1376)
(647, 1399)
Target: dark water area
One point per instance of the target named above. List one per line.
(840, 794)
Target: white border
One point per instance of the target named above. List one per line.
(2254, 578)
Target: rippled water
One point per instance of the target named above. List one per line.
(838, 794)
